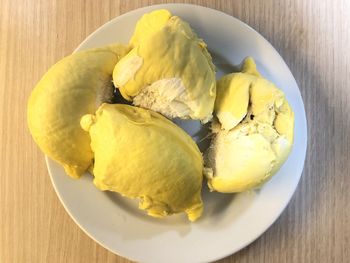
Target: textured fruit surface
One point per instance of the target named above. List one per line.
(74, 86)
(141, 154)
(169, 69)
(253, 134)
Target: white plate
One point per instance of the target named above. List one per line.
(230, 222)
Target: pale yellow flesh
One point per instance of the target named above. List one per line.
(232, 173)
(164, 51)
(254, 137)
(71, 88)
(148, 25)
(141, 154)
(231, 104)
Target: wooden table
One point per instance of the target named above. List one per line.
(314, 39)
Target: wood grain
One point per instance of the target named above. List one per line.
(312, 36)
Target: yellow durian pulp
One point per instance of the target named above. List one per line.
(255, 134)
(169, 69)
(74, 86)
(141, 154)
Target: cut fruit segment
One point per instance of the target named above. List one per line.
(253, 134)
(74, 86)
(163, 52)
(141, 154)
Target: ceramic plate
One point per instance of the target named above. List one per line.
(230, 221)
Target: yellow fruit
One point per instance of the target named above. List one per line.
(148, 25)
(141, 154)
(246, 153)
(249, 67)
(232, 99)
(74, 86)
(169, 69)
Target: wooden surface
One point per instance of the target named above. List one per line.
(314, 39)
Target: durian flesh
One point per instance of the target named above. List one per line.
(141, 154)
(74, 86)
(255, 134)
(169, 69)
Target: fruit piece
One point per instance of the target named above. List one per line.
(232, 99)
(169, 70)
(74, 86)
(249, 67)
(244, 156)
(141, 154)
(148, 25)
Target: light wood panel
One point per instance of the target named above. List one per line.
(312, 36)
